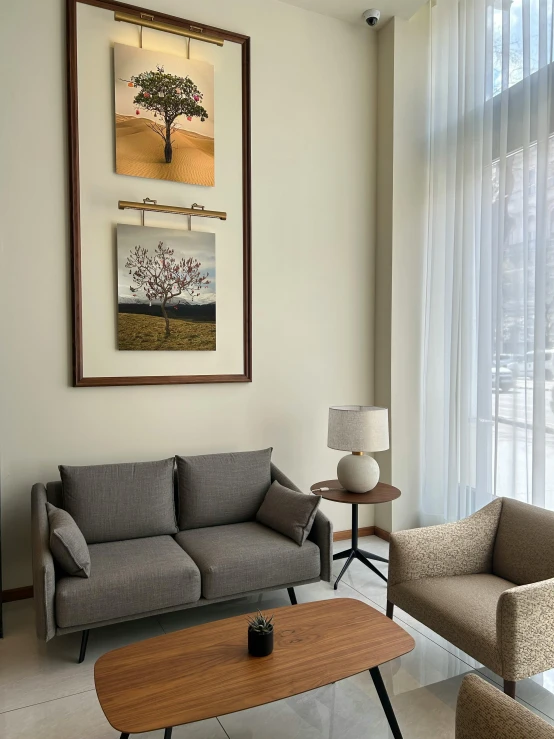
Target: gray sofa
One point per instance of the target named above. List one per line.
(152, 553)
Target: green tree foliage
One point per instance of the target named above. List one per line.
(167, 96)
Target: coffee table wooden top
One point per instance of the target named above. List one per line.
(380, 494)
(206, 671)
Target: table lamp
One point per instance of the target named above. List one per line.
(358, 429)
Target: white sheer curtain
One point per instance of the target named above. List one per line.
(488, 414)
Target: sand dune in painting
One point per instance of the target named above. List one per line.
(140, 153)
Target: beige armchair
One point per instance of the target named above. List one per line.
(486, 584)
(483, 712)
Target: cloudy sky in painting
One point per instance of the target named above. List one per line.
(196, 244)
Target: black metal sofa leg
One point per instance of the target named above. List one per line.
(84, 642)
(390, 609)
(292, 596)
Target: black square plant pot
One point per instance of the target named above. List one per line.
(260, 645)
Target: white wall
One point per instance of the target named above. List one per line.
(313, 255)
(403, 128)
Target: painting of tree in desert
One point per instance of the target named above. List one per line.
(166, 289)
(164, 126)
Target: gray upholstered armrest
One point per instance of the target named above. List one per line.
(483, 712)
(322, 529)
(525, 628)
(461, 548)
(44, 578)
(322, 535)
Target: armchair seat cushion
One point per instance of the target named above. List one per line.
(127, 578)
(241, 557)
(461, 609)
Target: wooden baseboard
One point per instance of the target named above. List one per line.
(347, 534)
(382, 534)
(17, 594)
(362, 531)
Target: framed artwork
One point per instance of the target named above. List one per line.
(165, 289)
(148, 96)
(164, 116)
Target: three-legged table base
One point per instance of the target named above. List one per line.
(356, 553)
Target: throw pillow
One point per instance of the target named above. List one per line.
(289, 512)
(67, 543)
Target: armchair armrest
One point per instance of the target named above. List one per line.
(44, 577)
(322, 529)
(461, 548)
(483, 712)
(525, 629)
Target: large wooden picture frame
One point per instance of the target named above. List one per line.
(79, 378)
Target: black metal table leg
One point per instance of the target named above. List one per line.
(351, 556)
(367, 563)
(370, 555)
(342, 555)
(124, 736)
(168, 732)
(385, 702)
(356, 553)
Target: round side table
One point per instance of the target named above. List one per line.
(332, 490)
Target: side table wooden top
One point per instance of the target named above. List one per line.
(383, 493)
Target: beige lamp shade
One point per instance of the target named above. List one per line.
(358, 428)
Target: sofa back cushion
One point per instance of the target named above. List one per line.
(524, 546)
(220, 489)
(113, 502)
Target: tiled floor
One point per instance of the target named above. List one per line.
(44, 694)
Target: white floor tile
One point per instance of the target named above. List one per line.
(34, 672)
(80, 717)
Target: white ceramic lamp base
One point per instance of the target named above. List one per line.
(358, 473)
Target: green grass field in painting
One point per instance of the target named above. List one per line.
(138, 332)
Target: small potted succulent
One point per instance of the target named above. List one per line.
(260, 635)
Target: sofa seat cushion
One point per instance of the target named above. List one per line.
(461, 609)
(242, 557)
(127, 578)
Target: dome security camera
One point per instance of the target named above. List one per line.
(371, 17)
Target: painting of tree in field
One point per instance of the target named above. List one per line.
(166, 289)
(164, 126)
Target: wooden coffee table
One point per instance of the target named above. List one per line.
(382, 493)
(206, 671)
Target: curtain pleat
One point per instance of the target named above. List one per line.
(488, 403)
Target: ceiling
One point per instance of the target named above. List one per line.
(351, 10)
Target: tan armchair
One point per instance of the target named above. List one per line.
(483, 712)
(486, 584)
